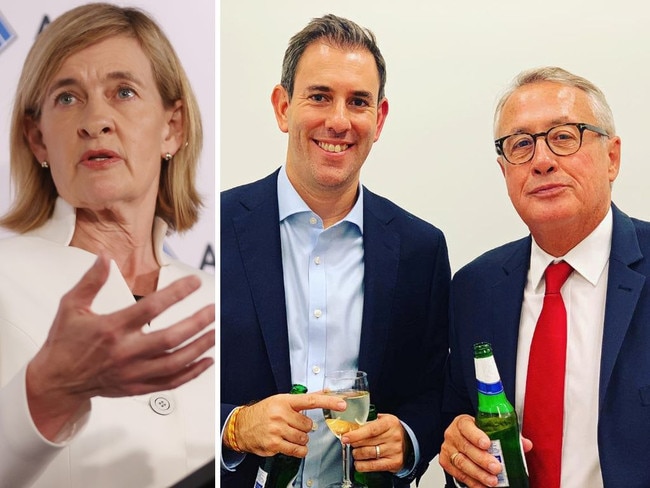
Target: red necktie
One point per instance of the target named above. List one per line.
(544, 401)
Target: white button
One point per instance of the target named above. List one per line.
(317, 260)
(314, 426)
(309, 482)
(315, 369)
(317, 313)
(161, 404)
(313, 221)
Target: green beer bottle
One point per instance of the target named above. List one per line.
(498, 419)
(280, 470)
(372, 479)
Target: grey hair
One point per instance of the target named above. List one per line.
(598, 102)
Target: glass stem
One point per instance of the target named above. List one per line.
(346, 466)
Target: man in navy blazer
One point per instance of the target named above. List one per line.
(331, 103)
(559, 155)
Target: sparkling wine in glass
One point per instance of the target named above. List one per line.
(351, 386)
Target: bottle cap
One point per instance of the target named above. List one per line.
(482, 349)
(297, 389)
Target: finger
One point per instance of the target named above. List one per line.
(299, 422)
(467, 428)
(291, 449)
(297, 435)
(188, 373)
(360, 436)
(311, 401)
(369, 453)
(462, 458)
(85, 291)
(474, 445)
(471, 474)
(157, 343)
(170, 363)
(391, 457)
(381, 430)
(156, 303)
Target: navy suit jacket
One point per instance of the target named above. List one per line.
(404, 326)
(485, 305)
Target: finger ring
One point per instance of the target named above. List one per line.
(452, 458)
(377, 452)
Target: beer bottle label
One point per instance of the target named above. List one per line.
(497, 452)
(488, 381)
(260, 480)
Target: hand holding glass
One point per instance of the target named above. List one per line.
(352, 386)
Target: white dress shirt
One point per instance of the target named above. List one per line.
(584, 296)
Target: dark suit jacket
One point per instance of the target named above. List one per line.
(486, 300)
(404, 327)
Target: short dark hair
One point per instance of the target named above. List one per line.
(341, 33)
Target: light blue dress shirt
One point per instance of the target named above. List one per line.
(323, 281)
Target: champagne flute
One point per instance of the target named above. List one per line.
(352, 386)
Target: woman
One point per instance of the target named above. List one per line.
(100, 332)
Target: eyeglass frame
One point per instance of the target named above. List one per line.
(498, 143)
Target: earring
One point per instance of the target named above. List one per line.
(168, 157)
(44, 164)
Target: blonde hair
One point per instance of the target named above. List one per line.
(178, 201)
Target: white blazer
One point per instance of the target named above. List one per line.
(144, 441)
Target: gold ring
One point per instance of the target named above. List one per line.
(452, 458)
(377, 452)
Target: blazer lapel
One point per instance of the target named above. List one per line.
(262, 257)
(506, 297)
(624, 287)
(381, 248)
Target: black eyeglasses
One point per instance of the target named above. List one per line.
(562, 140)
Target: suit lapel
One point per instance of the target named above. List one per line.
(506, 297)
(262, 258)
(381, 248)
(624, 287)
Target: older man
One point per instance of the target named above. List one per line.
(582, 392)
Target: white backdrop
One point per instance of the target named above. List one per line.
(191, 28)
(447, 63)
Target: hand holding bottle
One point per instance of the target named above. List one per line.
(474, 465)
(370, 479)
(486, 451)
(386, 432)
(276, 423)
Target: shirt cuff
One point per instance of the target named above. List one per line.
(407, 470)
(229, 458)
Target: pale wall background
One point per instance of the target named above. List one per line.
(447, 64)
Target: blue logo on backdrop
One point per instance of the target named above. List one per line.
(7, 34)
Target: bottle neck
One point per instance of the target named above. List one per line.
(489, 386)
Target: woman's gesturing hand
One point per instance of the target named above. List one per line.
(87, 354)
